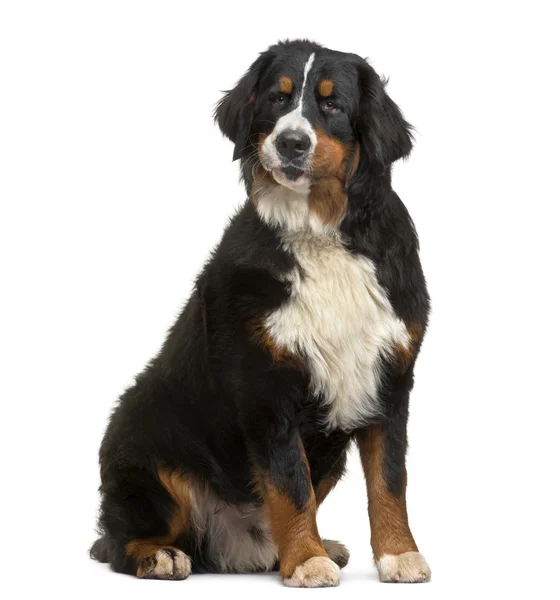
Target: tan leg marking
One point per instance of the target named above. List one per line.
(294, 530)
(394, 549)
(304, 562)
(324, 488)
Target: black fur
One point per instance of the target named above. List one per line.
(213, 403)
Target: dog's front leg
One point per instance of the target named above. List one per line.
(283, 477)
(382, 450)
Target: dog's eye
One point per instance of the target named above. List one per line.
(278, 99)
(329, 106)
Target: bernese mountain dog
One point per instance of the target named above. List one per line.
(300, 338)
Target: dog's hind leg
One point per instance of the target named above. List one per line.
(142, 517)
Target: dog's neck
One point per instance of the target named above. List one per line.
(317, 208)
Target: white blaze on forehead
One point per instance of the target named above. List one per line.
(306, 70)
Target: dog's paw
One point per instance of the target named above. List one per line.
(410, 567)
(318, 571)
(165, 563)
(337, 552)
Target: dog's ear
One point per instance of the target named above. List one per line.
(234, 112)
(384, 134)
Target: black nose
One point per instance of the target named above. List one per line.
(292, 144)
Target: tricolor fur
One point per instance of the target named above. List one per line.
(300, 337)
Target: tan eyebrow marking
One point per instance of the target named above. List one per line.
(286, 85)
(326, 88)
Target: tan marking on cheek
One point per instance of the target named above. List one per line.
(286, 85)
(260, 142)
(326, 88)
(330, 165)
(253, 99)
(262, 179)
(329, 155)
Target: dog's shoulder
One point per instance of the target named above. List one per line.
(248, 242)
(384, 232)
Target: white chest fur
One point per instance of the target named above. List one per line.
(340, 319)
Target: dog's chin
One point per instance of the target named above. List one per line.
(292, 178)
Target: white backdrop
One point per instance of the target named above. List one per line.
(113, 180)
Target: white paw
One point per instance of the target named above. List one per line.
(165, 564)
(410, 567)
(318, 571)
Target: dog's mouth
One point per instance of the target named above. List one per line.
(292, 173)
(292, 177)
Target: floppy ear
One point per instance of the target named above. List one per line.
(385, 135)
(234, 112)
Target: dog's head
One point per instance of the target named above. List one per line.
(303, 114)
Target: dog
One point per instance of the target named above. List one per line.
(300, 338)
